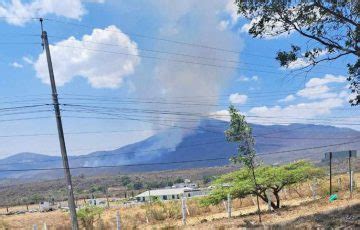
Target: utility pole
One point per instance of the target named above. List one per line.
(330, 169)
(71, 200)
(350, 175)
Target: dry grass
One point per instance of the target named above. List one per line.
(297, 201)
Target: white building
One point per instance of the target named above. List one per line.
(185, 185)
(171, 194)
(46, 206)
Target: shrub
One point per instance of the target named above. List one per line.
(88, 215)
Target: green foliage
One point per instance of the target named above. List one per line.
(97, 188)
(179, 180)
(125, 180)
(239, 183)
(139, 184)
(354, 79)
(36, 198)
(136, 185)
(157, 184)
(88, 215)
(240, 132)
(332, 27)
(207, 179)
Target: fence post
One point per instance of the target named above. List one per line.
(351, 182)
(183, 208)
(118, 224)
(44, 226)
(229, 205)
(339, 184)
(35, 227)
(313, 188)
(107, 201)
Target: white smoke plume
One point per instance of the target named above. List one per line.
(180, 84)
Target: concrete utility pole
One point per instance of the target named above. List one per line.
(118, 224)
(183, 210)
(350, 175)
(71, 200)
(229, 205)
(330, 171)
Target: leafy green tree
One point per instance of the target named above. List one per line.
(179, 180)
(135, 185)
(269, 178)
(36, 198)
(332, 27)
(207, 179)
(125, 180)
(241, 133)
(97, 188)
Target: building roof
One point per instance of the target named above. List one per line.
(163, 192)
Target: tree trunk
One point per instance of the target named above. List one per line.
(276, 194)
(265, 199)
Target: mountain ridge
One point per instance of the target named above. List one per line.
(205, 142)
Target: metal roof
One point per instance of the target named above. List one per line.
(163, 192)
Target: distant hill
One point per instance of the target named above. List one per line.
(205, 142)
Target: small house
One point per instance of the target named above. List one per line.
(46, 206)
(96, 202)
(170, 194)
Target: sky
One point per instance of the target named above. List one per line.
(126, 70)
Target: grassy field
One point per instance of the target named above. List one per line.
(298, 202)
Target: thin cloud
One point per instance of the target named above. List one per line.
(17, 65)
(237, 98)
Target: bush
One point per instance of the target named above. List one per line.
(163, 210)
(88, 215)
(4, 225)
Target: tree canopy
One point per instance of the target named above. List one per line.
(269, 178)
(331, 27)
(240, 132)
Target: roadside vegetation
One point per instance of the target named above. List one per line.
(269, 179)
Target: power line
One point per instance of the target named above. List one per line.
(170, 60)
(113, 166)
(99, 132)
(23, 107)
(20, 43)
(173, 162)
(115, 111)
(213, 141)
(25, 118)
(312, 148)
(197, 45)
(149, 37)
(190, 55)
(163, 52)
(25, 112)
